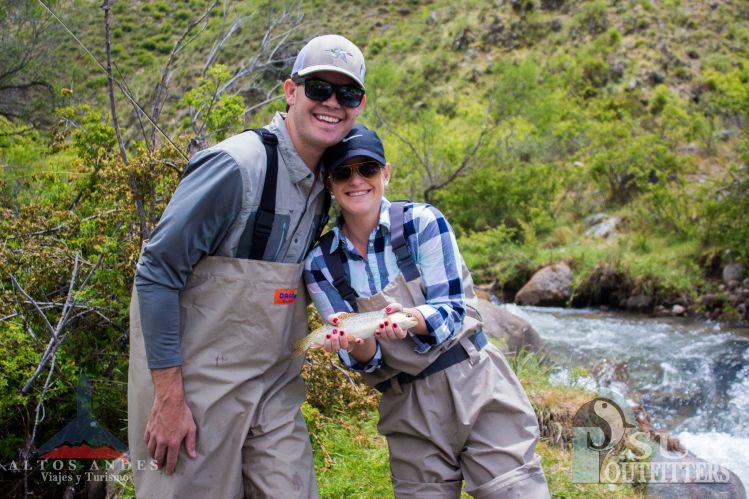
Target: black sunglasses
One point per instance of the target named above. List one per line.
(321, 90)
(367, 169)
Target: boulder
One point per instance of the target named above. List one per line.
(639, 303)
(656, 78)
(604, 229)
(595, 219)
(733, 272)
(549, 286)
(690, 475)
(710, 301)
(678, 310)
(517, 333)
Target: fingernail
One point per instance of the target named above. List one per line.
(387, 309)
(386, 323)
(341, 333)
(335, 321)
(335, 331)
(377, 334)
(395, 326)
(327, 336)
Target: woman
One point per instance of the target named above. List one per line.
(451, 408)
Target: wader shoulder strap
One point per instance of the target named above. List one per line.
(267, 210)
(324, 217)
(335, 262)
(406, 263)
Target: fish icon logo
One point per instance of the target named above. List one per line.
(597, 428)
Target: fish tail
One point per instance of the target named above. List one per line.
(302, 345)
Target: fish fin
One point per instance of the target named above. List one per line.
(302, 345)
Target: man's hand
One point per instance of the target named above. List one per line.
(170, 421)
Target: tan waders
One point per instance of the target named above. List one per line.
(470, 421)
(239, 319)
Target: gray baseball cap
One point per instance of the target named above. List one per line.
(330, 53)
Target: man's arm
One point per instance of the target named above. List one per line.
(198, 217)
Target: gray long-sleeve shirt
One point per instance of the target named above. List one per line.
(212, 213)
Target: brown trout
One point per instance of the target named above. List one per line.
(361, 325)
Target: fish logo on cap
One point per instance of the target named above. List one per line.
(340, 54)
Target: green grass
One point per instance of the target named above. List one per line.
(351, 458)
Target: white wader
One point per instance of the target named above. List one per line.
(239, 319)
(471, 421)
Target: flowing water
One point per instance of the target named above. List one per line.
(691, 376)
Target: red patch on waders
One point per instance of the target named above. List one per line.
(285, 296)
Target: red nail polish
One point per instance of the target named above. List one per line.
(327, 336)
(380, 325)
(395, 326)
(335, 321)
(341, 333)
(377, 334)
(387, 310)
(386, 323)
(335, 331)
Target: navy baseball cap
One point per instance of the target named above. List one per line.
(360, 141)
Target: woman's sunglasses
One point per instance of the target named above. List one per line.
(367, 169)
(321, 90)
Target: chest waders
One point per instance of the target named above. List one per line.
(455, 413)
(239, 318)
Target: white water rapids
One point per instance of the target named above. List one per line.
(691, 376)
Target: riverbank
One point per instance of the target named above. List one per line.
(634, 272)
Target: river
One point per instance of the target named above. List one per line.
(691, 376)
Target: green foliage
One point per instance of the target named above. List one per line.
(92, 136)
(728, 91)
(625, 162)
(725, 225)
(494, 197)
(593, 18)
(222, 113)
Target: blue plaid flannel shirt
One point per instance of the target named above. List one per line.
(435, 251)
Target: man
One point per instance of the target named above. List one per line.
(219, 300)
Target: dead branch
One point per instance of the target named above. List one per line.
(33, 302)
(110, 80)
(467, 159)
(58, 336)
(49, 305)
(224, 38)
(161, 88)
(437, 175)
(267, 57)
(61, 226)
(346, 375)
(422, 160)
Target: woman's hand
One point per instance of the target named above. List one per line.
(388, 330)
(339, 340)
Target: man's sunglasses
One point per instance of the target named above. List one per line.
(321, 90)
(367, 169)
